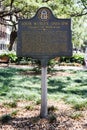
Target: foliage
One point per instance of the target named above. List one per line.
(78, 31)
(23, 60)
(51, 64)
(11, 56)
(37, 65)
(74, 9)
(76, 58)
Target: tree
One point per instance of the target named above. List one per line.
(79, 34)
(26, 9)
(81, 8)
(12, 10)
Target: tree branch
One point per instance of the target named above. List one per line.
(84, 4)
(12, 1)
(78, 14)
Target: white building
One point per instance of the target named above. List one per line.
(5, 38)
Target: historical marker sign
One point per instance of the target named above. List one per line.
(44, 36)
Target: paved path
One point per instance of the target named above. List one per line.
(71, 67)
(56, 67)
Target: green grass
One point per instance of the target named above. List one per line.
(10, 104)
(76, 115)
(17, 84)
(14, 113)
(29, 107)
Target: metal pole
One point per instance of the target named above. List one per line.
(43, 113)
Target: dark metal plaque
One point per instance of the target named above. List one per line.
(44, 36)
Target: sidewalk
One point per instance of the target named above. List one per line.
(56, 67)
(71, 67)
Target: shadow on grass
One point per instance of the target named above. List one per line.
(10, 80)
(82, 93)
(56, 86)
(28, 82)
(5, 78)
(79, 86)
(6, 75)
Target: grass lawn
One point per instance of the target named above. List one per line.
(67, 85)
(20, 99)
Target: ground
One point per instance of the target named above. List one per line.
(62, 117)
(25, 115)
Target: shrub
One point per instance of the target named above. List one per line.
(76, 58)
(50, 65)
(23, 60)
(12, 57)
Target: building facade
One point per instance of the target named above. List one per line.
(4, 36)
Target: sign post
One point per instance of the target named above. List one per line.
(44, 37)
(44, 111)
(43, 92)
